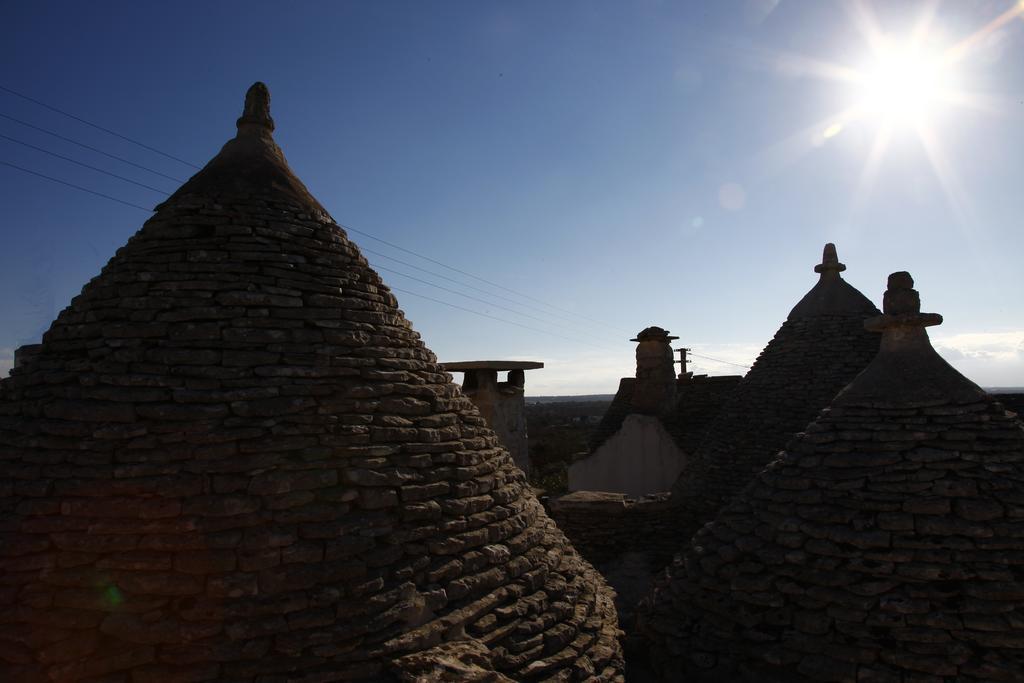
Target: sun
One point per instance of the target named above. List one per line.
(904, 84)
(907, 88)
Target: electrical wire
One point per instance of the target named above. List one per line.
(96, 126)
(90, 148)
(84, 165)
(469, 286)
(351, 229)
(77, 187)
(719, 360)
(449, 279)
(467, 296)
(396, 289)
(346, 227)
(492, 317)
(475, 277)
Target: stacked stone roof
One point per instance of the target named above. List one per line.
(232, 458)
(819, 349)
(885, 544)
(620, 407)
(697, 400)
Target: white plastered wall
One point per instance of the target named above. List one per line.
(638, 459)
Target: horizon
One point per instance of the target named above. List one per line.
(564, 175)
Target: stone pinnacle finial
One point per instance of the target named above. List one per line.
(907, 369)
(829, 261)
(257, 108)
(901, 306)
(653, 333)
(900, 296)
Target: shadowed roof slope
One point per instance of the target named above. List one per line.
(698, 399)
(816, 352)
(232, 458)
(885, 543)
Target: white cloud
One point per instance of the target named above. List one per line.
(991, 359)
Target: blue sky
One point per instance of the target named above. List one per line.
(625, 163)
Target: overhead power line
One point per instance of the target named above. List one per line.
(453, 269)
(489, 293)
(468, 296)
(96, 126)
(719, 360)
(475, 277)
(77, 187)
(90, 148)
(84, 165)
(492, 317)
(352, 229)
(449, 279)
(396, 289)
(404, 291)
(468, 310)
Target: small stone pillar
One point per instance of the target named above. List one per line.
(502, 404)
(655, 386)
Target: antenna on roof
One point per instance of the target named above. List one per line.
(683, 374)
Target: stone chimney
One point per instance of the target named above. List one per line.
(502, 404)
(655, 386)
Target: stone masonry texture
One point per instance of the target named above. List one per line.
(886, 543)
(233, 459)
(687, 418)
(819, 349)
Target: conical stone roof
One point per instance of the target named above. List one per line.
(819, 349)
(233, 459)
(885, 544)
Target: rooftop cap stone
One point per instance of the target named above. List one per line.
(233, 459)
(829, 260)
(907, 368)
(831, 295)
(883, 543)
(250, 164)
(653, 333)
(498, 365)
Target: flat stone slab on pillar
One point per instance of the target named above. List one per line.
(497, 365)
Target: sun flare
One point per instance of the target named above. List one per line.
(908, 87)
(904, 84)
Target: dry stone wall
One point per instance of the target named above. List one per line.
(603, 525)
(232, 458)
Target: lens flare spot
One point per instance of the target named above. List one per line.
(113, 595)
(732, 197)
(832, 131)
